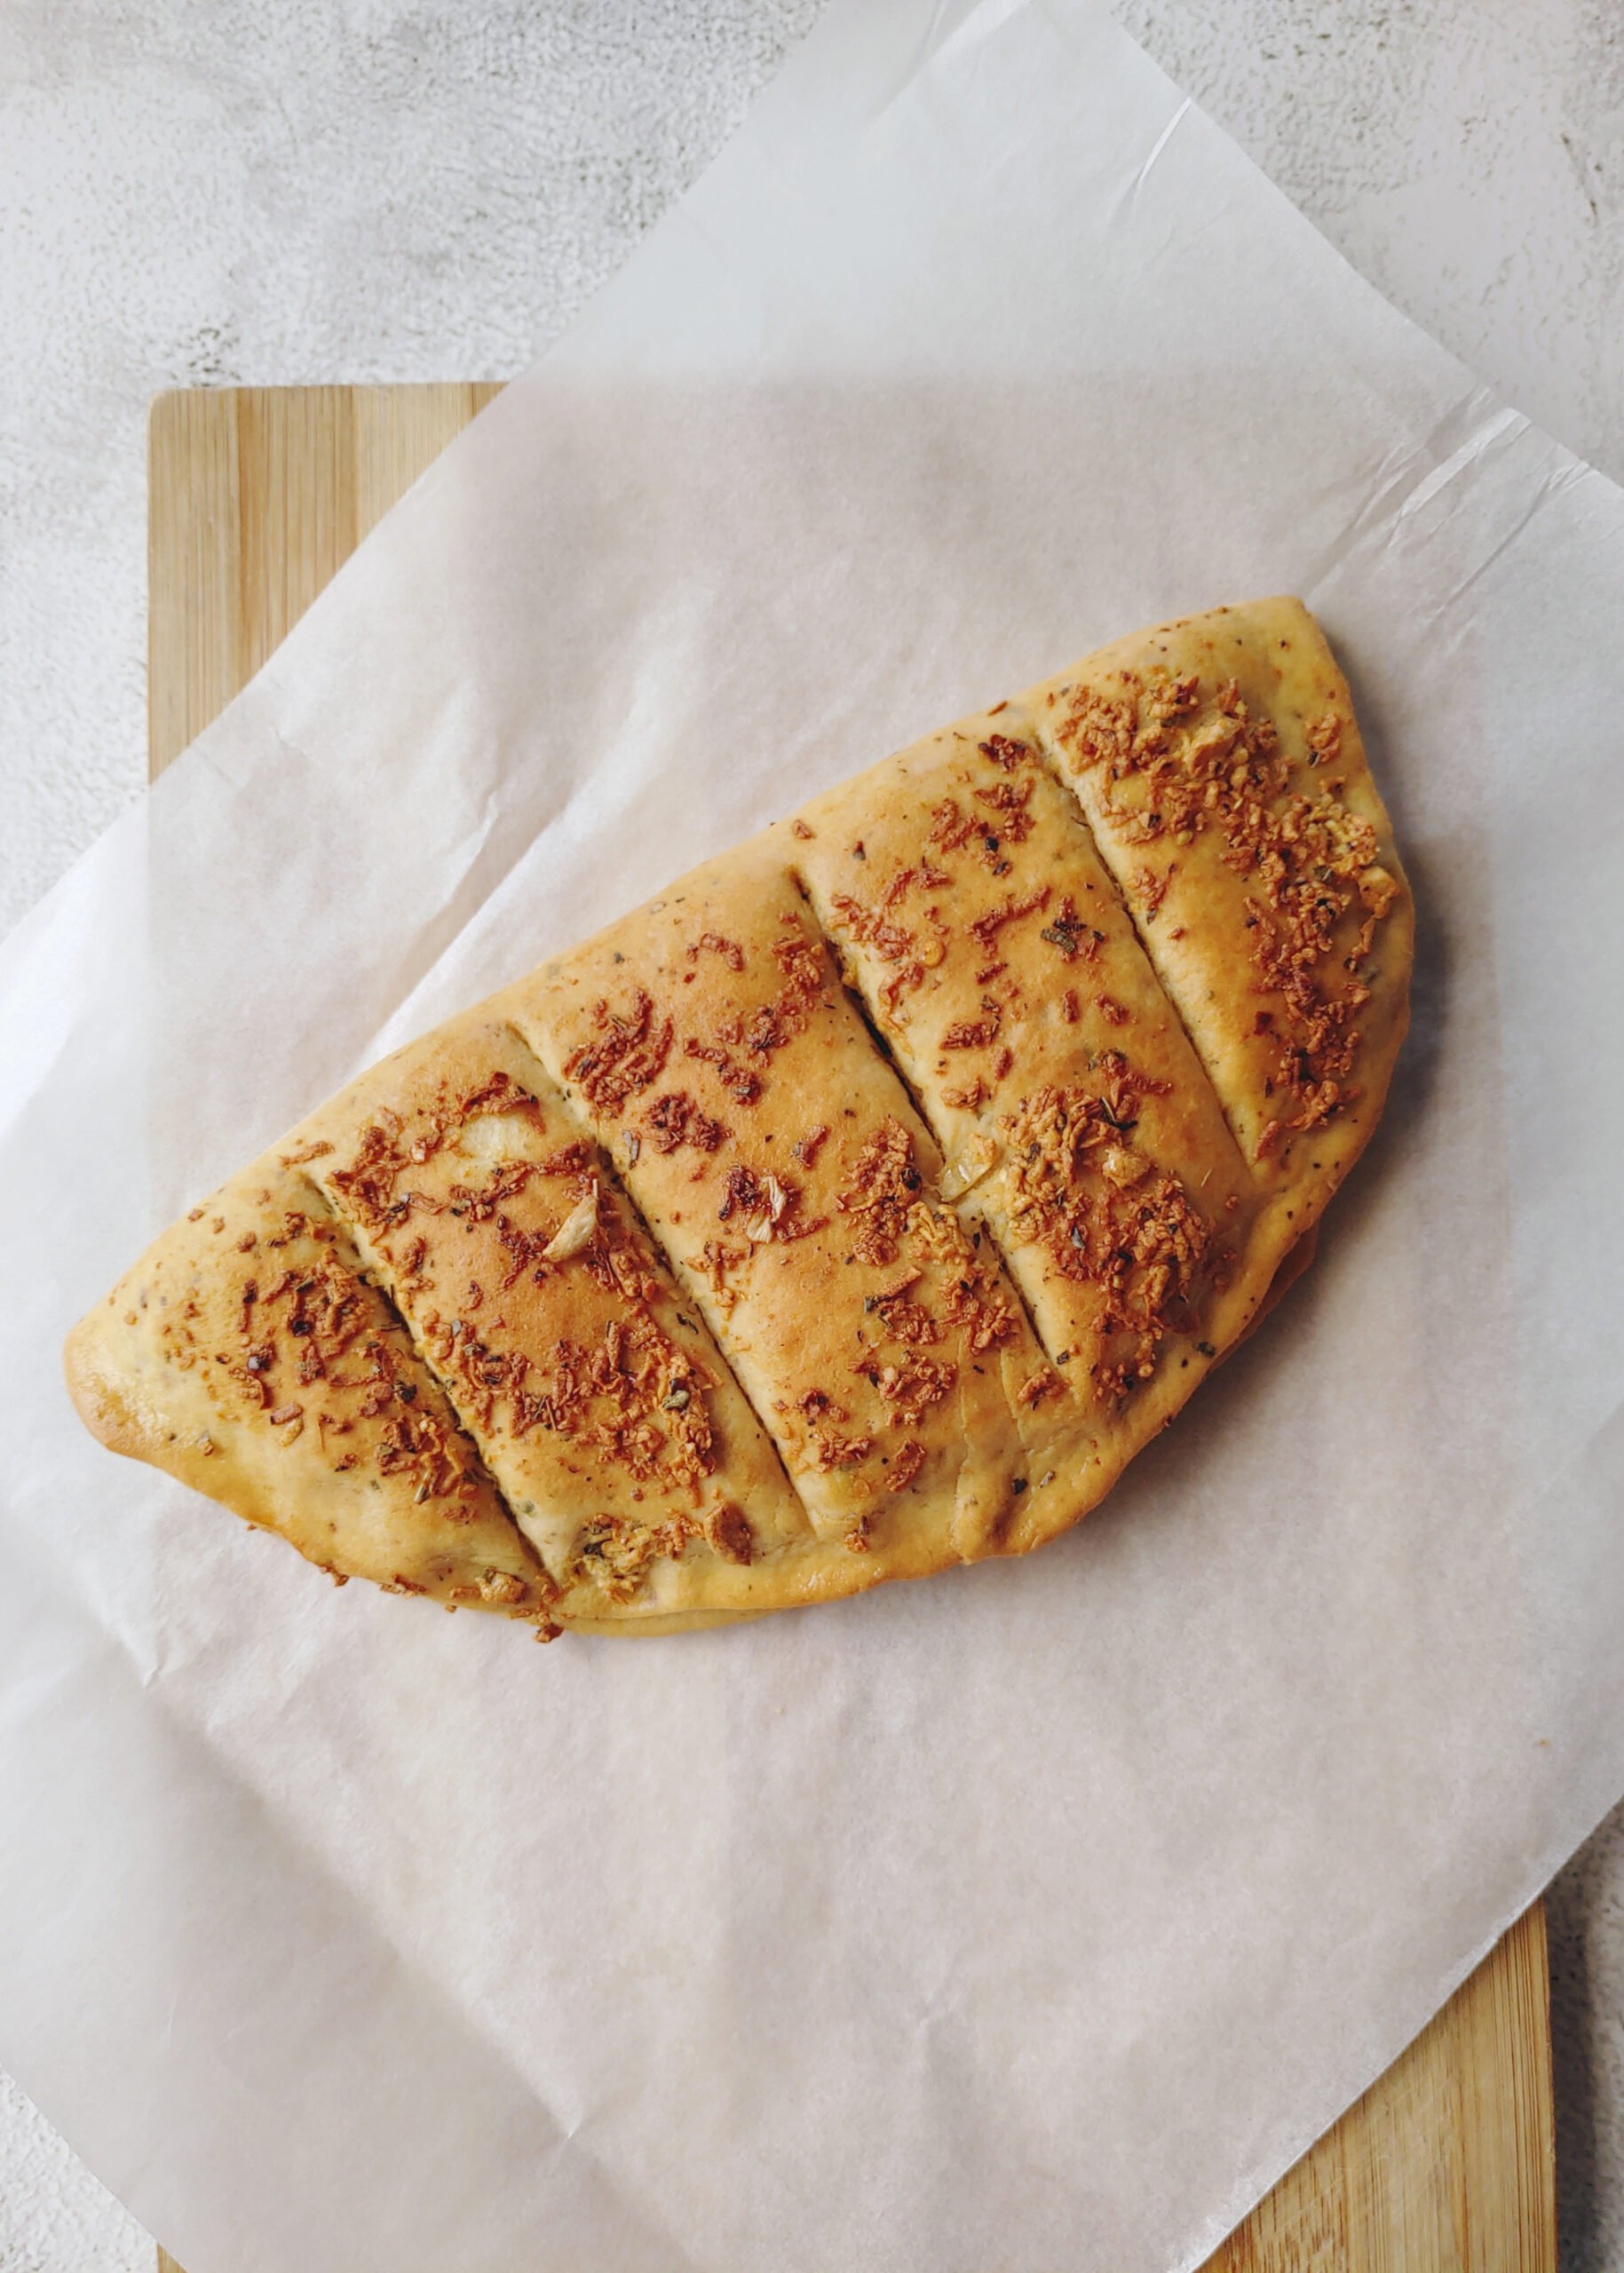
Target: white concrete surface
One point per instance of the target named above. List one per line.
(284, 190)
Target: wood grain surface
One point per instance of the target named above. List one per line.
(256, 496)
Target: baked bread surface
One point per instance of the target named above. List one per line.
(859, 1206)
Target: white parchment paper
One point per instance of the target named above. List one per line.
(1036, 1916)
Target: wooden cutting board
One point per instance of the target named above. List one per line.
(256, 496)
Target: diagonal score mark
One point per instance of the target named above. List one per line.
(682, 1280)
(1057, 768)
(380, 1277)
(864, 1009)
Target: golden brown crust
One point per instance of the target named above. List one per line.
(1220, 766)
(857, 1208)
(494, 1225)
(994, 956)
(247, 1355)
(885, 1354)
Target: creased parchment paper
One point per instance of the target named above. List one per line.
(1034, 1917)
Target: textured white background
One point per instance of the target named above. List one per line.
(283, 190)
